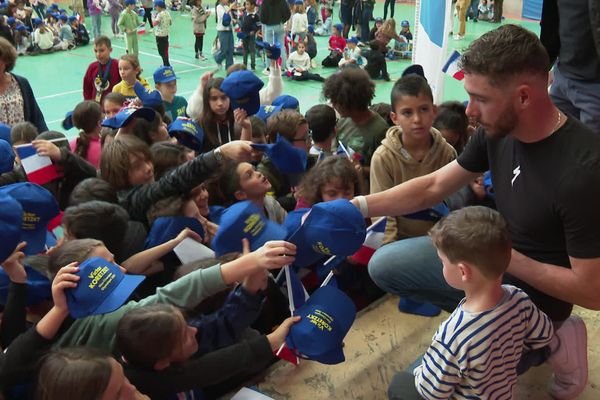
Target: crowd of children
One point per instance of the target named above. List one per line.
(151, 172)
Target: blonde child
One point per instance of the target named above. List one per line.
(128, 23)
(299, 23)
(129, 70)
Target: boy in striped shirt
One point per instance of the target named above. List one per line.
(475, 353)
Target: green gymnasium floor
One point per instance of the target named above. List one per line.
(57, 78)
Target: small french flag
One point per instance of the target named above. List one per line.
(451, 67)
(373, 241)
(39, 169)
(141, 30)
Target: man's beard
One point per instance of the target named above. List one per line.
(504, 125)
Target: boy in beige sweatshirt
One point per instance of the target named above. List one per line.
(410, 149)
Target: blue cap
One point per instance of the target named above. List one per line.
(267, 111)
(62, 11)
(404, 24)
(215, 213)
(331, 228)
(149, 98)
(160, 3)
(434, 213)
(36, 22)
(298, 2)
(243, 90)
(164, 75)
(21, 27)
(53, 6)
(378, 19)
(287, 158)
(130, 2)
(488, 184)
(63, 17)
(72, 18)
(244, 220)
(127, 114)
(11, 218)
(187, 132)
(55, 15)
(10, 20)
(353, 39)
(339, 27)
(272, 51)
(102, 288)
(7, 157)
(39, 208)
(5, 133)
(226, 21)
(38, 287)
(166, 228)
(327, 317)
(68, 121)
(287, 102)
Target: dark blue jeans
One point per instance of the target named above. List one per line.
(226, 50)
(367, 14)
(473, 9)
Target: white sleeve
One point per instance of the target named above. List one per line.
(195, 103)
(273, 89)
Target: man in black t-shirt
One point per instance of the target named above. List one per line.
(546, 173)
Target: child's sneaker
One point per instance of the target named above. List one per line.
(201, 57)
(197, 55)
(458, 37)
(569, 361)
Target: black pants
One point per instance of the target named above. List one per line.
(308, 76)
(199, 43)
(249, 44)
(391, 4)
(162, 44)
(148, 17)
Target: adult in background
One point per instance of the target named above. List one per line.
(17, 101)
(576, 86)
(365, 19)
(546, 172)
(273, 15)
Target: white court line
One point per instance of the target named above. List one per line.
(170, 59)
(51, 96)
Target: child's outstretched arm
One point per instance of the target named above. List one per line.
(13, 322)
(141, 263)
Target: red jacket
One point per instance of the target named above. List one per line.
(89, 86)
(337, 43)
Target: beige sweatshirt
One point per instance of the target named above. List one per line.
(392, 164)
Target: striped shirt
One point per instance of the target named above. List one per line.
(475, 355)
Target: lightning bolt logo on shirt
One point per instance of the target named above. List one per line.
(516, 173)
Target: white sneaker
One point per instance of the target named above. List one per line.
(458, 37)
(570, 360)
(201, 57)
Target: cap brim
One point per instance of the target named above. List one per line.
(120, 294)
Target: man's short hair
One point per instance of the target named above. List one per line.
(321, 121)
(352, 89)
(410, 85)
(475, 235)
(506, 52)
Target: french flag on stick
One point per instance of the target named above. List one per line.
(39, 169)
(373, 241)
(451, 67)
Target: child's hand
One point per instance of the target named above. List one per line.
(210, 229)
(64, 279)
(240, 116)
(187, 233)
(207, 76)
(13, 267)
(48, 149)
(257, 280)
(274, 254)
(277, 337)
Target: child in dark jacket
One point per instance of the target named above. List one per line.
(250, 25)
(376, 65)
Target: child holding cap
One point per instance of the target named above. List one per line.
(162, 24)
(128, 23)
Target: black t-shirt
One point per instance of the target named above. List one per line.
(548, 193)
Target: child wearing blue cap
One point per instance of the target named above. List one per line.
(352, 55)
(130, 73)
(165, 81)
(162, 24)
(65, 34)
(337, 44)
(43, 38)
(128, 23)
(80, 32)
